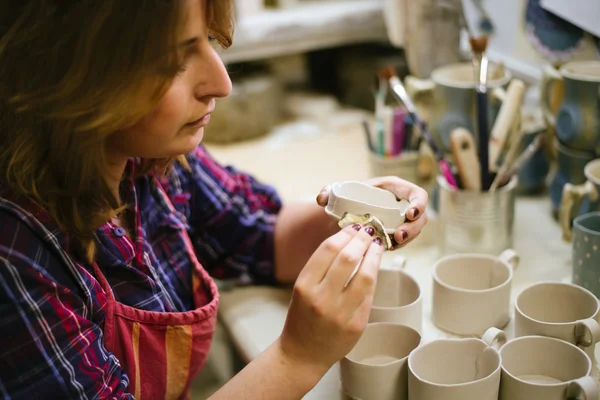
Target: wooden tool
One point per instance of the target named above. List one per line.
(505, 121)
(464, 150)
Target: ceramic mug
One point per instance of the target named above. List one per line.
(544, 368)
(577, 123)
(456, 369)
(471, 292)
(352, 202)
(579, 199)
(376, 368)
(560, 310)
(397, 297)
(586, 252)
(452, 88)
(570, 166)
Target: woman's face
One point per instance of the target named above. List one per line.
(176, 125)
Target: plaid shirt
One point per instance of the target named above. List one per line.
(52, 307)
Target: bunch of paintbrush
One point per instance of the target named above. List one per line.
(395, 133)
(401, 96)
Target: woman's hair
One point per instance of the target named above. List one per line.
(72, 73)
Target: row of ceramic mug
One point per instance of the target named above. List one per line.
(391, 362)
(471, 293)
(570, 100)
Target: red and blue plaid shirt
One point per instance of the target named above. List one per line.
(51, 306)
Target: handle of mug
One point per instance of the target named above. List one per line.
(550, 76)
(587, 332)
(583, 389)
(494, 338)
(570, 203)
(399, 263)
(511, 257)
(416, 87)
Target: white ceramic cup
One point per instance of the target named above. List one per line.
(397, 297)
(544, 368)
(560, 310)
(358, 198)
(457, 369)
(471, 292)
(375, 369)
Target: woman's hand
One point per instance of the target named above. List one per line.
(416, 217)
(326, 317)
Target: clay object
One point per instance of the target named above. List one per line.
(367, 220)
(365, 204)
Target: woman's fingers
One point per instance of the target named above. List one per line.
(362, 285)
(348, 259)
(408, 231)
(416, 195)
(321, 260)
(323, 196)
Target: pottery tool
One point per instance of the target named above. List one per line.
(480, 67)
(400, 95)
(464, 150)
(505, 121)
(505, 175)
(368, 136)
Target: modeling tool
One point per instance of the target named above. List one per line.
(399, 92)
(505, 121)
(464, 150)
(509, 158)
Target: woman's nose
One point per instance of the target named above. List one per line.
(215, 77)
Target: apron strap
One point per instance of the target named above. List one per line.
(103, 282)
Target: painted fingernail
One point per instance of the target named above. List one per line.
(377, 241)
(404, 235)
(370, 230)
(415, 212)
(356, 227)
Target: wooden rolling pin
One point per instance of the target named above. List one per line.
(464, 151)
(505, 121)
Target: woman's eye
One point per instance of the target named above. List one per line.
(181, 69)
(211, 38)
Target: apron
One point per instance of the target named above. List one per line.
(162, 352)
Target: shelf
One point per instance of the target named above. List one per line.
(307, 27)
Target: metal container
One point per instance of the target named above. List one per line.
(476, 222)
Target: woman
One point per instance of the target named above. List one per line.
(111, 213)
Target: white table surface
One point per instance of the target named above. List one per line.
(255, 316)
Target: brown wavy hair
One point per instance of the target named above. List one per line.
(72, 73)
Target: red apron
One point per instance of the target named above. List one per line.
(162, 352)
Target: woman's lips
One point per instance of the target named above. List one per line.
(199, 123)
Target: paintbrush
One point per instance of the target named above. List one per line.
(367, 131)
(509, 171)
(401, 96)
(480, 67)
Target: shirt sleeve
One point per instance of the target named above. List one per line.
(49, 347)
(231, 217)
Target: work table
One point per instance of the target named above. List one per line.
(254, 316)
